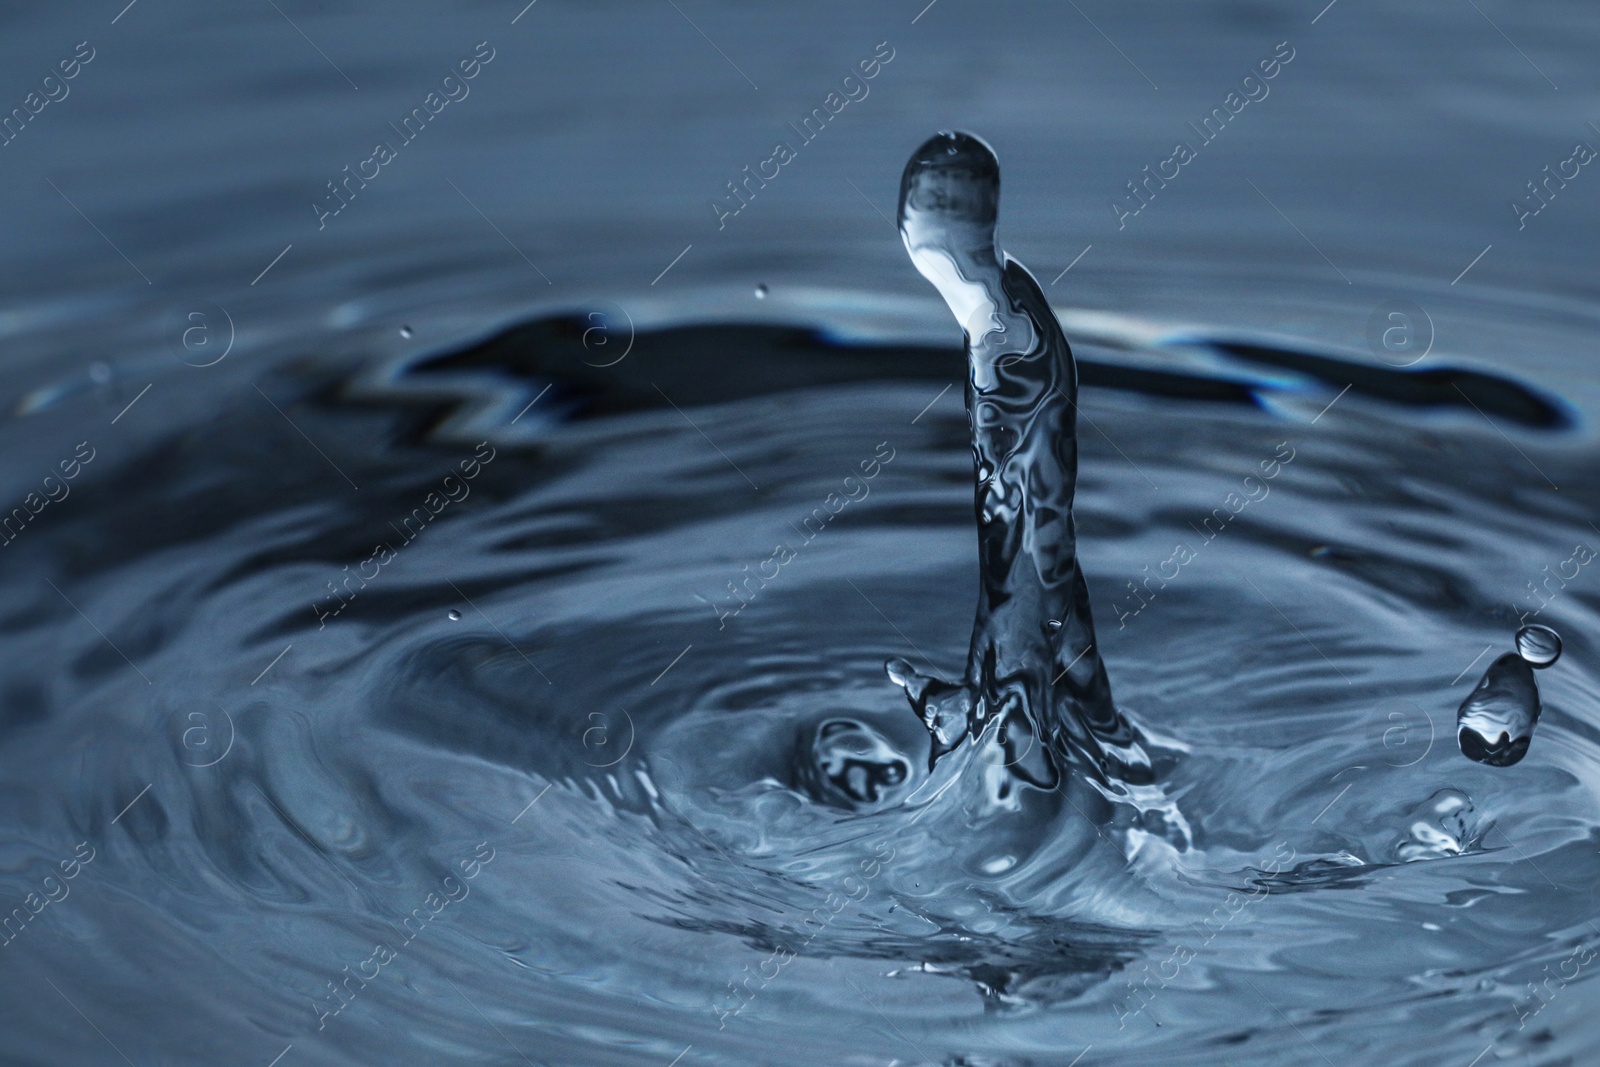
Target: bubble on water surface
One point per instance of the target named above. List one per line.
(1445, 825)
(856, 764)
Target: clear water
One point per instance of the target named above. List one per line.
(604, 757)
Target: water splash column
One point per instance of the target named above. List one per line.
(1494, 725)
(1033, 665)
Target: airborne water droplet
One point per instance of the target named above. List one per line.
(1539, 645)
(405, 331)
(455, 616)
(1495, 722)
(761, 292)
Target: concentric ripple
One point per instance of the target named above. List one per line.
(604, 754)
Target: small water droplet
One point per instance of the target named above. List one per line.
(1539, 645)
(761, 292)
(455, 616)
(405, 331)
(1053, 625)
(99, 373)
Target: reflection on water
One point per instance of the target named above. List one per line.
(401, 669)
(710, 822)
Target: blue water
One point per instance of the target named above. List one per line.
(469, 647)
